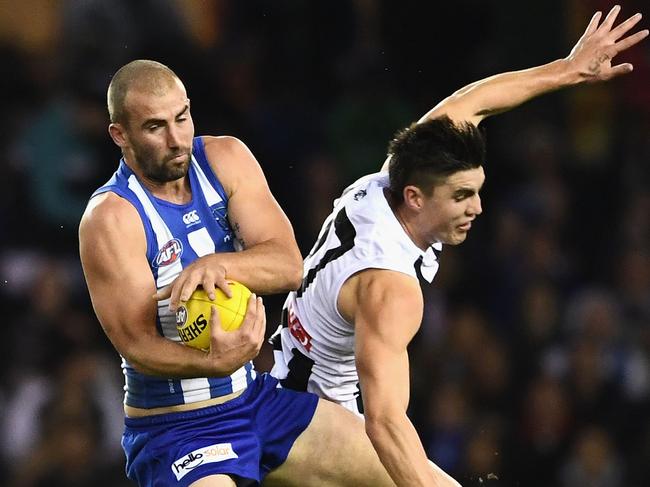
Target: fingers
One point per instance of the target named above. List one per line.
(200, 273)
(259, 327)
(215, 322)
(252, 310)
(208, 287)
(182, 290)
(188, 288)
(255, 318)
(624, 27)
(222, 283)
(242, 344)
(628, 42)
(593, 24)
(163, 293)
(619, 70)
(611, 18)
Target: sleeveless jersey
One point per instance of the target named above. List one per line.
(314, 345)
(176, 236)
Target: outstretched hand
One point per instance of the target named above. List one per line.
(592, 56)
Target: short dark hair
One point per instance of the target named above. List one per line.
(425, 153)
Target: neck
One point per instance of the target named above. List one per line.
(409, 226)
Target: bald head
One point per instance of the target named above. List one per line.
(141, 75)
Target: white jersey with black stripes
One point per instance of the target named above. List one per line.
(314, 344)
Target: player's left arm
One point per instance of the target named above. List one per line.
(270, 261)
(589, 61)
(386, 318)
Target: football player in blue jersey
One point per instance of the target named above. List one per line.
(194, 211)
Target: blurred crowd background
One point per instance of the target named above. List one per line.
(532, 367)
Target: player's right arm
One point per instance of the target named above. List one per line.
(112, 245)
(386, 308)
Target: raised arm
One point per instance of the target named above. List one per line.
(590, 61)
(270, 261)
(112, 246)
(387, 315)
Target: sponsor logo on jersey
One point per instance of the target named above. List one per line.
(190, 332)
(191, 218)
(298, 332)
(208, 454)
(169, 253)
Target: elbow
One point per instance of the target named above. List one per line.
(131, 351)
(293, 272)
(376, 425)
(376, 432)
(295, 276)
(135, 361)
(381, 420)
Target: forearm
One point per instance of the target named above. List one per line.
(159, 356)
(505, 91)
(400, 451)
(268, 267)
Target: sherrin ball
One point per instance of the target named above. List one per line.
(193, 317)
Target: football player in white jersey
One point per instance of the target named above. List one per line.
(360, 303)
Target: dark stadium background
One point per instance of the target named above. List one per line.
(532, 367)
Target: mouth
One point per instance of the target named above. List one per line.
(465, 226)
(179, 158)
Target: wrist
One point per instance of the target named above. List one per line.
(219, 261)
(567, 72)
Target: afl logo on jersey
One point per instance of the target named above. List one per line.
(181, 316)
(169, 253)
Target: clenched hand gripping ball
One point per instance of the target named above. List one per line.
(193, 317)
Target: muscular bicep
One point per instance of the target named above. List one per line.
(253, 212)
(117, 273)
(387, 316)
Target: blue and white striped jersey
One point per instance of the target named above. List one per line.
(176, 236)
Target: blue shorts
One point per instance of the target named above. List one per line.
(246, 437)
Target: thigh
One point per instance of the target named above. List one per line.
(333, 451)
(214, 481)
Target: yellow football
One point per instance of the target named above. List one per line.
(193, 317)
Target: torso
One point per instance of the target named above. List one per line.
(178, 234)
(361, 233)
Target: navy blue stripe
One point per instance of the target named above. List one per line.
(300, 367)
(346, 233)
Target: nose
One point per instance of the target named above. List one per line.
(475, 207)
(173, 137)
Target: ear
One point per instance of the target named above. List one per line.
(118, 134)
(413, 197)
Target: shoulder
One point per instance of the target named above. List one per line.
(108, 214)
(232, 161)
(386, 286)
(375, 291)
(384, 298)
(225, 147)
